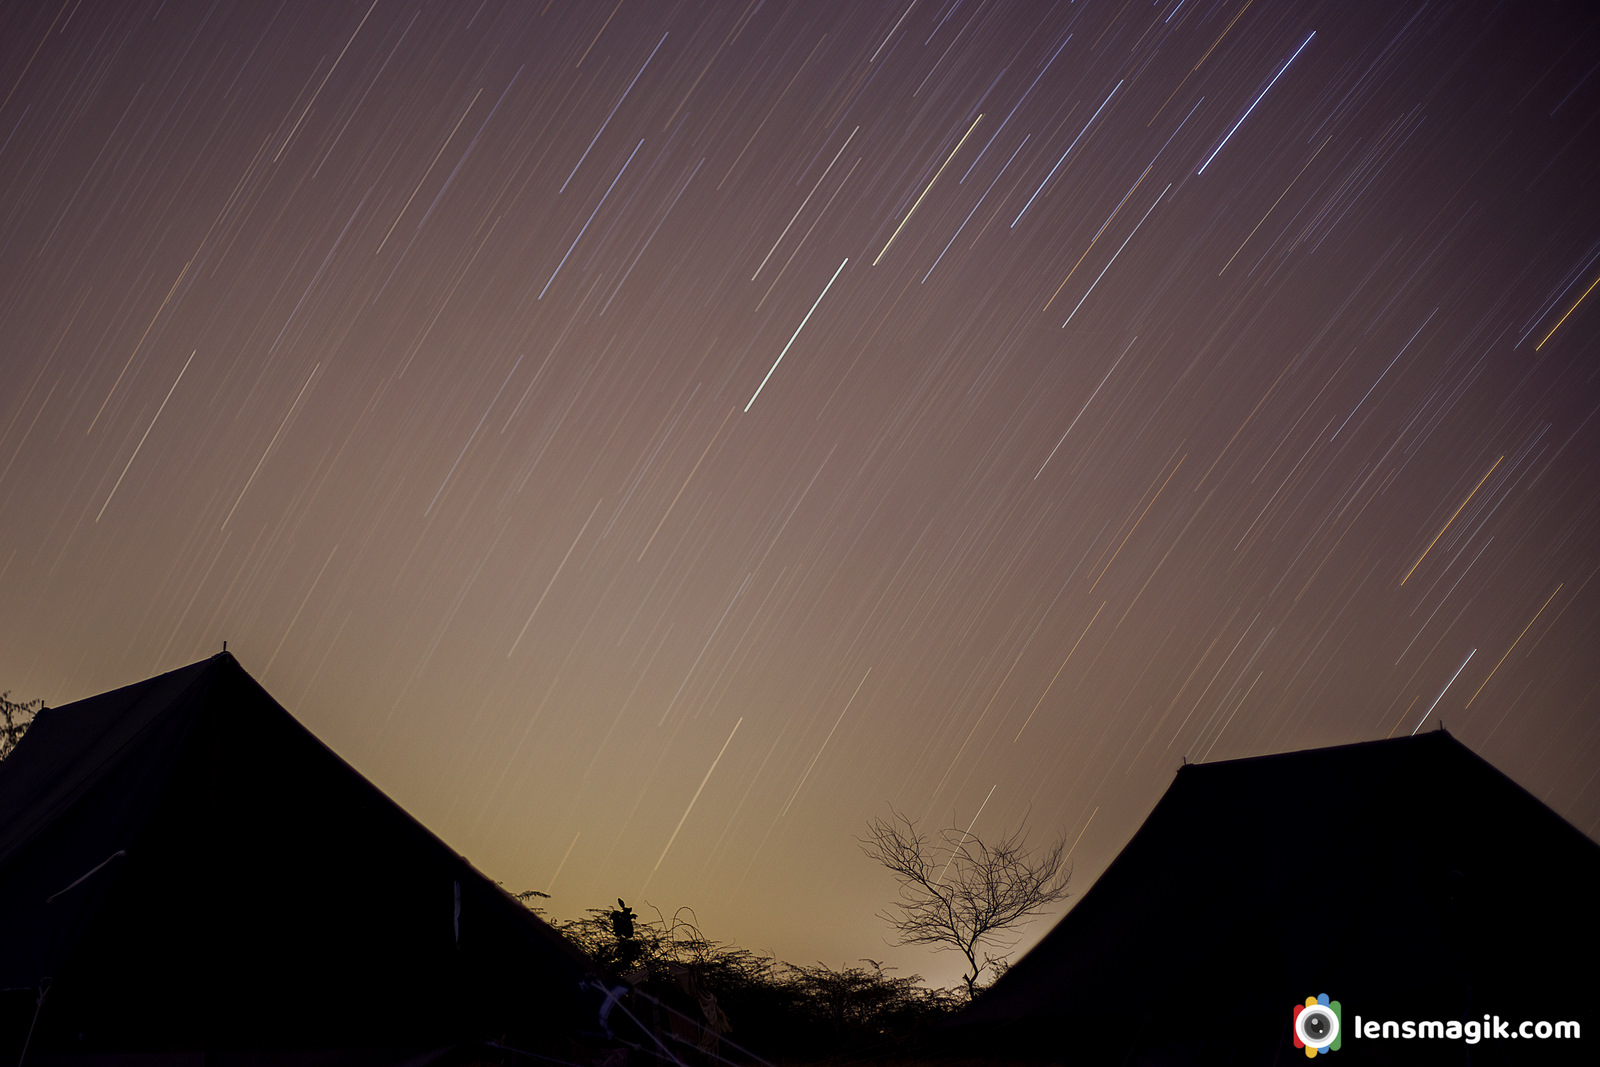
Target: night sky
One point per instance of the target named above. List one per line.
(651, 439)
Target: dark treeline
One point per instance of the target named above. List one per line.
(722, 1000)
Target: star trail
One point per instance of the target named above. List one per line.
(966, 406)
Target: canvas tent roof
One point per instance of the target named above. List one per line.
(192, 872)
(1409, 879)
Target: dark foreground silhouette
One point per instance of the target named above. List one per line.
(187, 875)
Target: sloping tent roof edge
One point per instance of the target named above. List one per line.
(1440, 867)
(106, 801)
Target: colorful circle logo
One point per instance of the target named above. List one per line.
(1316, 1025)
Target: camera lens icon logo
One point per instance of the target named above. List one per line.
(1316, 1025)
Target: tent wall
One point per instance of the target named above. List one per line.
(1409, 879)
(269, 899)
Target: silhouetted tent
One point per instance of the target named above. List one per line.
(1408, 879)
(187, 871)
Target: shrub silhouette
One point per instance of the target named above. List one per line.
(770, 1007)
(15, 719)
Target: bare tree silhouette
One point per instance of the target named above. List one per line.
(956, 891)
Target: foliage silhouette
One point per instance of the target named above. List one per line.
(15, 719)
(771, 1007)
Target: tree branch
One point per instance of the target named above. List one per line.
(958, 892)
